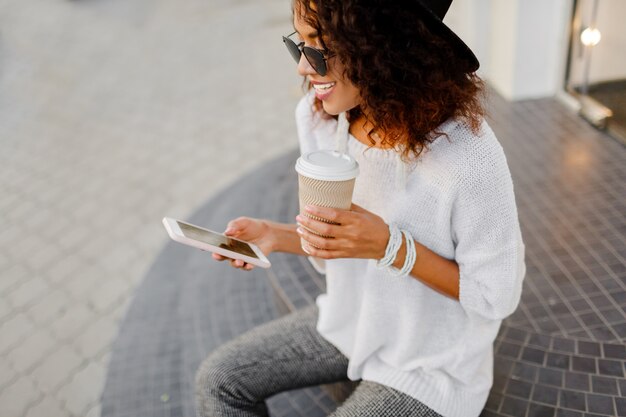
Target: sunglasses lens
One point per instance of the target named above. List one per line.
(313, 56)
(316, 59)
(292, 48)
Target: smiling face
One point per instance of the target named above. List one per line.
(335, 91)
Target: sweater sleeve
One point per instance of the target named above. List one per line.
(489, 248)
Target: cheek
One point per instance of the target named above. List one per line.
(350, 95)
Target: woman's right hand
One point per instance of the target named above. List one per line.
(251, 230)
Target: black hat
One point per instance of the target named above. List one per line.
(434, 12)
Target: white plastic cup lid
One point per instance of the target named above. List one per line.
(327, 165)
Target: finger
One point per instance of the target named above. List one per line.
(327, 213)
(236, 226)
(237, 263)
(323, 254)
(319, 227)
(218, 257)
(232, 231)
(358, 209)
(317, 241)
(305, 247)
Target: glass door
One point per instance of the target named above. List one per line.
(596, 70)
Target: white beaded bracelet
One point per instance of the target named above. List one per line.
(394, 244)
(409, 260)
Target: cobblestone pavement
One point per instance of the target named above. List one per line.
(114, 113)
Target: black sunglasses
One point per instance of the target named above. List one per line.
(316, 57)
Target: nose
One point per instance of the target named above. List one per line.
(304, 68)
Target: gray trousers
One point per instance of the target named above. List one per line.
(285, 354)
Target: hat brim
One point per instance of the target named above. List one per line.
(436, 25)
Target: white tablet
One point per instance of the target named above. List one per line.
(211, 241)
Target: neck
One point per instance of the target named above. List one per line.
(363, 129)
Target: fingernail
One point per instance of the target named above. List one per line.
(308, 208)
(299, 230)
(298, 218)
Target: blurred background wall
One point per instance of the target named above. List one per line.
(533, 48)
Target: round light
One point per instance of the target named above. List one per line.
(590, 37)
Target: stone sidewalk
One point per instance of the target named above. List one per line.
(113, 114)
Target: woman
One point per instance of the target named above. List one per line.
(427, 262)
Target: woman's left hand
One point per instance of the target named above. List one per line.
(359, 234)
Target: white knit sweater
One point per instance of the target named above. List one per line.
(458, 201)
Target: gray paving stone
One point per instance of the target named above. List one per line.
(84, 389)
(17, 397)
(49, 225)
(7, 204)
(24, 208)
(14, 330)
(28, 292)
(85, 212)
(74, 320)
(90, 251)
(111, 292)
(73, 237)
(42, 259)
(105, 359)
(57, 368)
(5, 311)
(48, 407)
(9, 233)
(7, 372)
(33, 350)
(5, 262)
(120, 309)
(150, 238)
(12, 277)
(131, 275)
(119, 256)
(97, 337)
(25, 247)
(82, 283)
(118, 146)
(94, 411)
(49, 307)
(64, 269)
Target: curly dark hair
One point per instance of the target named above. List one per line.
(410, 80)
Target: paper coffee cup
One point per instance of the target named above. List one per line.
(325, 178)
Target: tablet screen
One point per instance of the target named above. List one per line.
(216, 239)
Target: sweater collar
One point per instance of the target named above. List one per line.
(402, 169)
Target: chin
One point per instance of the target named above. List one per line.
(333, 109)
(330, 109)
